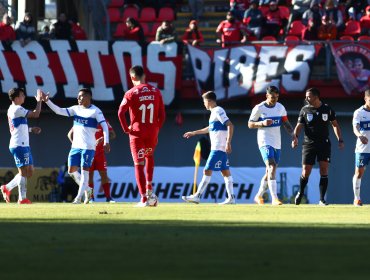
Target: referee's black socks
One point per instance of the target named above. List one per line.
(323, 186)
(302, 184)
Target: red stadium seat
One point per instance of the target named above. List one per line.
(353, 28)
(120, 30)
(147, 14)
(292, 39)
(269, 38)
(364, 38)
(146, 29)
(166, 13)
(347, 38)
(296, 28)
(114, 15)
(130, 11)
(155, 26)
(116, 3)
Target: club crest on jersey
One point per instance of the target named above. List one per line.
(324, 117)
(309, 117)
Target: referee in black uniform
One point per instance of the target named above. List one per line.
(315, 118)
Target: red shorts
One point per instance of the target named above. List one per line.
(142, 147)
(99, 163)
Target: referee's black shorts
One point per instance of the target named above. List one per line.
(312, 152)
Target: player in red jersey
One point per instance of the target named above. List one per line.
(100, 162)
(147, 115)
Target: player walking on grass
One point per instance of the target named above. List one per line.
(267, 117)
(221, 131)
(100, 161)
(361, 128)
(147, 115)
(86, 118)
(19, 142)
(315, 118)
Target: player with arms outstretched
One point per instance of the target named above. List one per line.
(147, 115)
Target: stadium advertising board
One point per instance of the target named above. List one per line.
(62, 67)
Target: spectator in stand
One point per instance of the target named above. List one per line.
(238, 8)
(365, 22)
(196, 8)
(299, 7)
(166, 33)
(25, 32)
(134, 31)
(335, 15)
(310, 33)
(274, 20)
(231, 31)
(45, 33)
(7, 32)
(62, 29)
(314, 13)
(253, 19)
(327, 30)
(358, 7)
(78, 33)
(192, 35)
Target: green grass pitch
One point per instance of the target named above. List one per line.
(183, 241)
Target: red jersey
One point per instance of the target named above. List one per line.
(230, 31)
(98, 134)
(146, 108)
(6, 32)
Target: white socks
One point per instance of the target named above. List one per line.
(22, 190)
(229, 186)
(263, 188)
(273, 188)
(84, 180)
(76, 176)
(13, 183)
(202, 185)
(356, 187)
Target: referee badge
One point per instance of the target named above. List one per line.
(324, 117)
(309, 117)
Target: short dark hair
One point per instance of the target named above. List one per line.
(86, 90)
(367, 92)
(14, 92)
(210, 95)
(137, 71)
(272, 89)
(314, 91)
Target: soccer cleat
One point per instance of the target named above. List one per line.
(229, 200)
(298, 198)
(259, 200)
(110, 200)
(88, 195)
(357, 202)
(24, 201)
(276, 201)
(76, 201)
(142, 204)
(323, 203)
(191, 198)
(6, 193)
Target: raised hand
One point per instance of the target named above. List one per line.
(39, 95)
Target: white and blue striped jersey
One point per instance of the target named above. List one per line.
(18, 126)
(269, 135)
(218, 129)
(362, 117)
(85, 123)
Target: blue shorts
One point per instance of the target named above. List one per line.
(268, 152)
(81, 157)
(217, 161)
(22, 156)
(362, 159)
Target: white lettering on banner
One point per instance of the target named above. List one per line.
(100, 90)
(292, 64)
(241, 73)
(62, 48)
(170, 183)
(218, 76)
(8, 81)
(167, 68)
(126, 47)
(37, 67)
(266, 67)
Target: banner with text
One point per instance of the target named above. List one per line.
(248, 70)
(353, 66)
(62, 67)
(170, 183)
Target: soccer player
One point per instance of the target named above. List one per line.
(267, 117)
(100, 162)
(361, 128)
(315, 118)
(221, 131)
(147, 115)
(86, 118)
(19, 142)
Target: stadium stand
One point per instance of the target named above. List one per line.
(147, 14)
(116, 4)
(114, 15)
(130, 11)
(166, 13)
